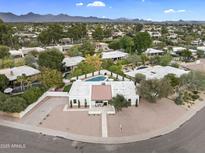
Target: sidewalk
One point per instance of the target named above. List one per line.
(108, 140)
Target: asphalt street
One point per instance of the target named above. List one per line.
(188, 138)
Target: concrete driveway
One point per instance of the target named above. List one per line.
(42, 110)
(146, 118)
(77, 122)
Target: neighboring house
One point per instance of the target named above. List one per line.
(172, 36)
(16, 53)
(101, 47)
(13, 73)
(26, 51)
(66, 41)
(154, 52)
(118, 34)
(98, 94)
(114, 55)
(26, 35)
(201, 48)
(71, 62)
(194, 52)
(156, 42)
(155, 34)
(61, 48)
(197, 42)
(157, 72)
(177, 50)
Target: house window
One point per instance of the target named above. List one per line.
(74, 101)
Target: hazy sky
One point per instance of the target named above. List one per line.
(144, 9)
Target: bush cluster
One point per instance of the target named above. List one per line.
(16, 104)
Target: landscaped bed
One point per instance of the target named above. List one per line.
(17, 104)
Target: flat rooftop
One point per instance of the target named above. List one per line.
(72, 61)
(113, 54)
(13, 73)
(82, 89)
(157, 72)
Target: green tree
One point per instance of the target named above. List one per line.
(52, 58)
(98, 34)
(165, 60)
(51, 78)
(22, 80)
(30, 60)
(142, 42)
(77, 31)
(4, 52)
(139, 78)
(14, 105)
(74, 51)
(6, 36)
(7, 62)
(4, 82)
(152, 90)
(87, 48)
(119, 102)
(115, 44)
(134, 59)
(175, 81)
(3, 97)
(200, 54)
(33, 94)
(144, 58)
(83, 68)
(186, 55)
(137, 28)
(193, 81)
(52, 35)
(127, 44)
(95, 61)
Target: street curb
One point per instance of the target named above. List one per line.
(109, 140)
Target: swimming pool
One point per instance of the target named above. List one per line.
(98, 78)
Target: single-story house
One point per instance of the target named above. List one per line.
(114, 55)
(177, 50)
(95, 94)
(61, 48)
(13, 73)
(71, 62)
(155, 34)
(157, 72)
(154, 52)
(101, 47)
(66, 40)
(26, 51)
(16, 53)
(202, 48)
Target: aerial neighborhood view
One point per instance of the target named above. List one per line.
(102, 76)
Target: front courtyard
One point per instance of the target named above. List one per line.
(130, 121)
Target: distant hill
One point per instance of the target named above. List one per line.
(37, 18)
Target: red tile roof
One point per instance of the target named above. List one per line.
(101, 93)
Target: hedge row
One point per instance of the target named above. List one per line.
(16, 104)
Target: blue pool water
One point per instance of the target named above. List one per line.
(98, 78)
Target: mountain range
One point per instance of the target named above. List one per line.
(37, 18)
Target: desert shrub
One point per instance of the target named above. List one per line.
(33, 94)
(13, 105)
(179, 100)
(195, 97)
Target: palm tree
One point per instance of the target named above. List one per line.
(21, 79)
(29, 82)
